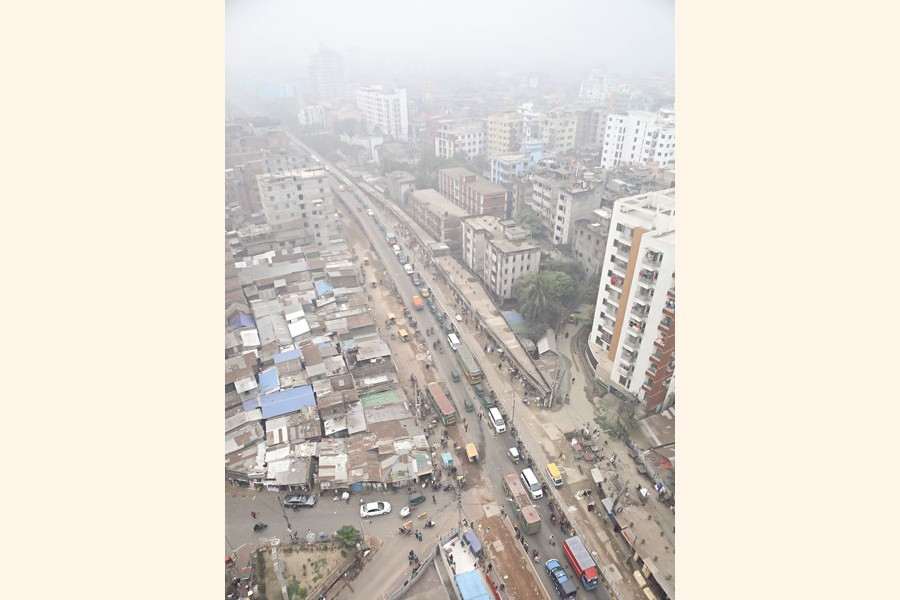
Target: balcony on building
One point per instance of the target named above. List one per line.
(665, 325)
(629, 356)
(660, 342)
(636, 325)
(656, 357)
(669, 308)
(652, 258)
(622, 250)
(639, 311)
(647, 275)
(616, 283)
(619, 266)
(632, 342)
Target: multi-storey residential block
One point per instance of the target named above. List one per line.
(437, 215)
(455, 137)
(590, 126)
(561, 197)
(506, 169)
(589, 241)
(312, 116)
(498, 252)
(476, 196)
(301, 200)
(384, 110)
(558, 130)
(639, 137)
(595, 88)
(634, 320)
(504, 133)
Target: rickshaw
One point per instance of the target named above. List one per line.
(472, 453)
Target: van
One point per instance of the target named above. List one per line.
(408, 268)
(402, 258)
(479, 389)
(555, 476)
(397, 250)
(532, 484)
(403, 335)
(454, 341)
(454, 375)
(497, 420)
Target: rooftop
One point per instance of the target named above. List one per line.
(438, 202)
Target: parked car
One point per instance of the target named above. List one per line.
(425, 291)
(300, 501)
(479, 389)
(564, 586)
(415, 278)
(374, 509)
(370, 212)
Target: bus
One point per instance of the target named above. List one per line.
(469, 367)
(441, 403)
(526, 514)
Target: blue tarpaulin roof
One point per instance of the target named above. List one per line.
(283, 402)
(471, 587)
(242, 320)
(268, 381)
(323, 287)
(515, 321)
(287, 355)
(473, 541)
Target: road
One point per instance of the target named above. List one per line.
(492, 447)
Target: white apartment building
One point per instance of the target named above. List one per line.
(312, 115)
(385, 110)
(300, 199)
(504, 133)
(595, 88)
(326, 75)
(499, 252)
(459, 137)
(639, 137)
(633, 334)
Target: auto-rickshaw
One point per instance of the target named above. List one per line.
(392, 318)
(472, 453)
(403, 335)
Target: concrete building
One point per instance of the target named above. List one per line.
(384, 110)
(558, 130)
(504, 133)
(638, 137)
(506, 169)
(400, 183)
(498, 252)
(437, 215)
(326, 74)
(595, 88)
(456, 137)
(312, 116)
(300, 200)
(634, 320)
(590, 126)
(589, 241)
(476, 196)
(561, 197)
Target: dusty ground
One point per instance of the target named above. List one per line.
(308, 567)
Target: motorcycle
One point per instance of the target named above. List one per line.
(536, 555)
(552, 519)
(448, 487)
(259, 526)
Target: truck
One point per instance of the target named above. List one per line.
(584, 566)
(418, 303)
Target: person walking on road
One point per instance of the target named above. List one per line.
(253, 514)
(434, 498)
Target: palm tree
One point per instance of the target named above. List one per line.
(347, 536)
(532, 295)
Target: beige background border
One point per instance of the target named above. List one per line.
(113, 159)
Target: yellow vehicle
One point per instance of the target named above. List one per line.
(403, 335)
(555, 476)
(425, 292)
(392, 318)
(472, 452)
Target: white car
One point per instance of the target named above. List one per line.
(370, 212)
(373, 509)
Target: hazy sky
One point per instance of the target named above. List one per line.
(624, 36)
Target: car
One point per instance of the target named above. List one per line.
(416, 280)
(300, 501)
(370, 212)
(564, 586)
(374, 509)
(479, 389)
(425, 291)
(513, 454)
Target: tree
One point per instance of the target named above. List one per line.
(528, 219)
(347, 536)
(545, 296)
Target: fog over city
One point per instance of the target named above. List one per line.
(631, 38)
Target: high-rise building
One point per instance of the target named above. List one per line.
(638, 137)
(384, 110)
(326, 74)
(300, 200)
(558, 130)
(634, 320)
(589, 241)
(560, 197)
(456, 137)
(504, 133)
(595, 88)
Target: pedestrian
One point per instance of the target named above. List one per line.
(490, 567)
(253, 514)
(434, 498)
(466, 427)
